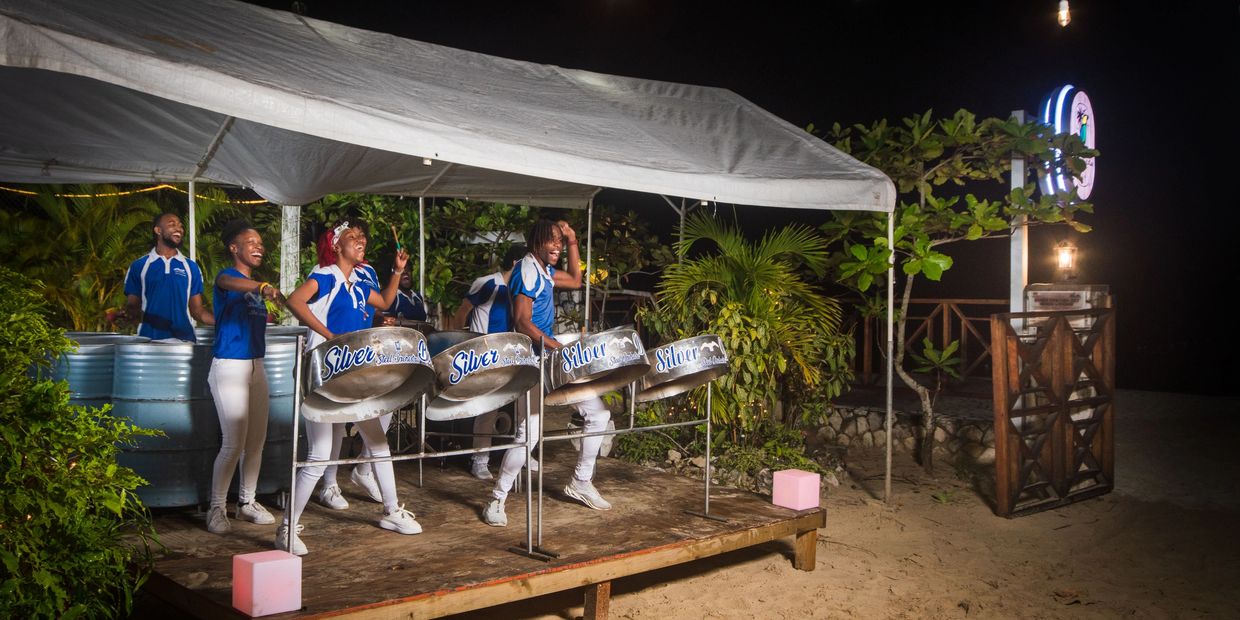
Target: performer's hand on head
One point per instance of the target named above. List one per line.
(569, 235)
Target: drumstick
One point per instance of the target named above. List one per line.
(395, 237)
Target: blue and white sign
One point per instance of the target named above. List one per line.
(1069, 110)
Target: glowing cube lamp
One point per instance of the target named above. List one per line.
(795, 489)
(266, 582)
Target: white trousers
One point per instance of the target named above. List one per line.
(239, 388)
(596, 415)
(329, 474)
(484, 427)
(322, 436)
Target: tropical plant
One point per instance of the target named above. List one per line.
(74, 538)
(930, 161)
(78, 248)
(757, 298)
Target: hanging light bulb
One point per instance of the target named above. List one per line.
(1065, 16)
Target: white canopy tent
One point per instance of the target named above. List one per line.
(295, 108)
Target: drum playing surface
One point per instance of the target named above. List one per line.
(683, 365)
(363, 374)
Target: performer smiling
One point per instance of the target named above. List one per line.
(237, 379)
(533, 308)
(330, 304)
(164, 288)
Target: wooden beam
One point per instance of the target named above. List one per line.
(806, 549)
(598, 600)
(443, 603)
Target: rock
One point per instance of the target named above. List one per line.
(674, 456)
(987, 457)
(909, 443)
(880, 438)
(849, 429)
(829, 478)
(974, 450)
(875, 419)
(988, 437)
(843, 440)
(827, 433)
(973, 433)
(698, 462)
(940, 435)
(835, 420)
(867, 440)
(863, 424)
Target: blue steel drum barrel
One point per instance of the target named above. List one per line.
(164, 386)
(89, 369)
(279, 364)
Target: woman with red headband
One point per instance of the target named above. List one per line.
(334, 301)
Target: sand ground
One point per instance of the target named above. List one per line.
(1164, 544)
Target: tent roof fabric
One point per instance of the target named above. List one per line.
(296, 108)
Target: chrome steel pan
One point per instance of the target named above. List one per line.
(482, 374)
(590, 365)
(683, 365)
(367, 373)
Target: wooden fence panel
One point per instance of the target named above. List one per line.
(1054, 408)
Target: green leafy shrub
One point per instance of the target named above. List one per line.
(74, 539)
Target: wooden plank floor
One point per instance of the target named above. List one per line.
(459, 563)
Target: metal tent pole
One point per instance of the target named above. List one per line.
(192, 216)
(891, 287)
(589, 261)
(292, 487)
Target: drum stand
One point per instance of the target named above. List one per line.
(531, 550)
(536, 550)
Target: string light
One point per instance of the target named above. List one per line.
(25, 192)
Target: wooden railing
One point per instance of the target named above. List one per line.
(942, 321)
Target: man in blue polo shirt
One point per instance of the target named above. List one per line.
(531, 290)
(163, 290)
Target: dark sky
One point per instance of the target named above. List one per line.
(1162, 78)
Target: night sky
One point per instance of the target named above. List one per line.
(1162, 78)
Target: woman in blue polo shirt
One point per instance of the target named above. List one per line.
(237, 379)
(331, 302)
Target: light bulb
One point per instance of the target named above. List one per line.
(1065, 16)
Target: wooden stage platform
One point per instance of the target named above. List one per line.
(459, 563)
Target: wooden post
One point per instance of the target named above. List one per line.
(805, 550)
(598, 600)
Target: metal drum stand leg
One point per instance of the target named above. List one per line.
(705, 514)
(530, 550)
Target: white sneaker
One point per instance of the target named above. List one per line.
(368, 484)
(400, 520)
(480, 470)
(217, 520)
(584, 492)
(254, 513)
(299, 548)
(494, 514)
(332, 498)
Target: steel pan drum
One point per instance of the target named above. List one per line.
(590, 365)
(482, 374)
(364, 374)
(683, 365)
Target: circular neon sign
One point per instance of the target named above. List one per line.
(1068, 110)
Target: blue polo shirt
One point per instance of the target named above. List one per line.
(408, 306)
(338, 306)
(536, 283)
(165, 286)
(487, 316)
(240, 321)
